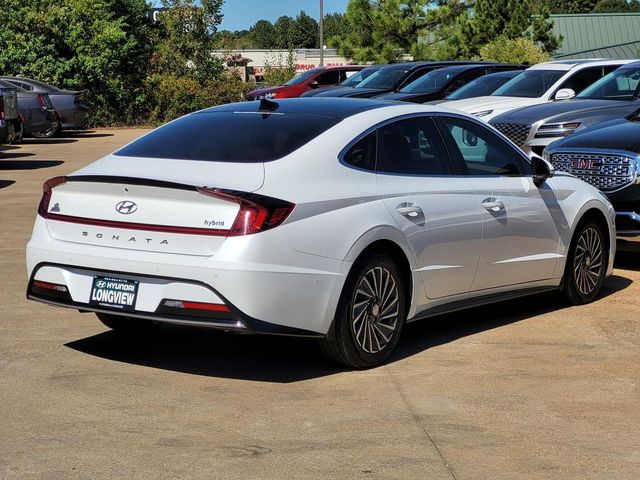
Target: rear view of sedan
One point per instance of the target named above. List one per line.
(340, 219)
(71, 106)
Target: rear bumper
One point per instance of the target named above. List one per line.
(74, 118)
(274, 290)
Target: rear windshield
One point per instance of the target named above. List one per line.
(530, 83)
(230, 137)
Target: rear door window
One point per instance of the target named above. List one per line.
(412, 147)
(230, 136)
(481, 151)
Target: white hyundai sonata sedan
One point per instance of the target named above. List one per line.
(341, 219)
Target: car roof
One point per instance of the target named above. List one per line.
(336, 107)
(567, 65)
(35, 83)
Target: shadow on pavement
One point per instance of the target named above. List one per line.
(47, 141)
(286, 359)
(82, 134)
(628, 256)
(6, 183)
(8, 147)
(4, 155)
(28, 164)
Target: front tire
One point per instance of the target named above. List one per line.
(586, 264)
(119, 323)
(370, 316)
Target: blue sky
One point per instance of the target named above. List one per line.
(241, 14)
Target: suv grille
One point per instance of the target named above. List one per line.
(516, 132)
(606, 172)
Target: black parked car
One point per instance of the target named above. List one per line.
(390, 78)
(10, 127)
(37, 115)
(607, 156)
(614, 96)
(439, 83)
(481, 86)
(71, 106)
(350, 82)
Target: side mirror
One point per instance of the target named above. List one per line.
(564, 94)
(542, 170)
(314, 84)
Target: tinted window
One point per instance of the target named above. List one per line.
(358, 77)
(430, 82)
(483, 152)
(621, 84)
(230, 137)
(329, 78)
(479, 87)
(583, 79)
(530, 83)
(363, 153)
(302, 77)
(412, 147)
(384, 78)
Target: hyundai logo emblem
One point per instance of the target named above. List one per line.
(126, 207)
(101, 284)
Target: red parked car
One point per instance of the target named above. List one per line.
(303, 82)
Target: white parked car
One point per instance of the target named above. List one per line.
(541, 83)
(340, 219)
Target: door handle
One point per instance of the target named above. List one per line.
(409, 210)
(493, 205)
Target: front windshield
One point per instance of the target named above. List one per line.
(385, 78)
(529, 84)
(302, 77)
(621, 84)
(358, 77)
(430, 82)
(479, 87)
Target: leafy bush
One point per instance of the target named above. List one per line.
(518, 50)
(171, 97)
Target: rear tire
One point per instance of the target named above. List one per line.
(370, 314)
(50, 133)
(586, 264)
(119, 323)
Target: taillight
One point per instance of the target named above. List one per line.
(1, 108)
(257, 213)
(42, 101)
(47, 187)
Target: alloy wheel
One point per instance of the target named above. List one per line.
(375, 310)
(588, 261)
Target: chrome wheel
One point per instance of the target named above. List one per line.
(375, 311)
(588, 261)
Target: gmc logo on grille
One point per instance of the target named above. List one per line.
(585, 164)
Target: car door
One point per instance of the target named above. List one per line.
(435, 209)
(520, 240)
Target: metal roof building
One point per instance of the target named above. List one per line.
(598, 35)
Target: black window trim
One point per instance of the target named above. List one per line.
(520, 154)
(388, 121)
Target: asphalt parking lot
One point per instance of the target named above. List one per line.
(528, 389)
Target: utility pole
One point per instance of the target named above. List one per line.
(321, 23)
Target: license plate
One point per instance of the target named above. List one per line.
(114, 293)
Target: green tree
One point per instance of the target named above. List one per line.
(263, 34)
(334, 25)
(511, 19)
(285, 32)
(567, 6)
(381, 30)
(306, 31)
(617, 6)
(81, 44)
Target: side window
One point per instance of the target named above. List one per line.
(328, 78)
(583, 79)
(483, 152)
(363, 153)
(412, 147)
(463, 80)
